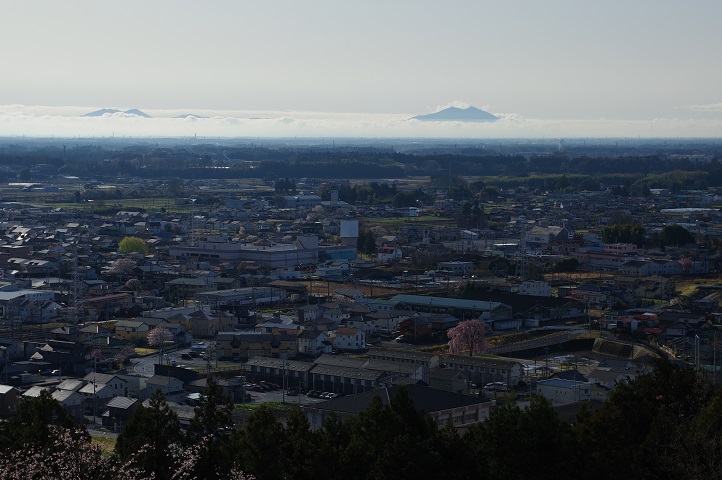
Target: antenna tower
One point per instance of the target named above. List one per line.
(521, 259)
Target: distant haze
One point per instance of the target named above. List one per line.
(17, 120)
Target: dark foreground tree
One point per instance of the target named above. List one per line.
(32, 424)
(212, 429)
(152, 435)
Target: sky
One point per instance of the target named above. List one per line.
(339, 68)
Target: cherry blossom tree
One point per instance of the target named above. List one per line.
(123, 355)
(468, 336)
(158, 337)
(122, 267)
(72, 455)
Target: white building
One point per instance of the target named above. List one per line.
(559, 391)
(349, 339)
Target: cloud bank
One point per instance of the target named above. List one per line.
(41, 121)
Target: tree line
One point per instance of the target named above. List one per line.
(664, 424)
(536, 170)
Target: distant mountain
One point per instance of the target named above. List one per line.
(103, 111)
(189, 115)
(454, 114)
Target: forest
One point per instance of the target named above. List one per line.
(664, 424)
(630, 171)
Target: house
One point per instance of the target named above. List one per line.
(131, 330)
(9, 400)
(313, 343)
(389, 254)
(119, 410)
(289, 372)
(348, 339)
(72, 402)
(443, 407)
(449, 380)
(540, 237)
(363, 323)
(170, 387)
(611, 376)
(10, 350)
(456, 268)
(242, 345)
(483, 370)
(202, 324)
(558, 390)
(343, 376)
(415, 328)
(70, 357)
(118, 384)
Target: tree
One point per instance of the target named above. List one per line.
(675, 235)
(212, 428)
(262, 449)
(123, 355)
(468, 336)
(568, 264)
(624, 233)
(68, 453)
(32, 423)
(158, 337)
(133, 284)
(151, 435)
(132, 245)
(122, 267)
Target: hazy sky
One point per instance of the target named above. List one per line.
(547, 60)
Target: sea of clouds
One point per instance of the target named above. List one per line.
(69, 122)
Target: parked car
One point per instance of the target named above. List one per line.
(292, 392)
(313, 393)
(186, 356)
(496, 387)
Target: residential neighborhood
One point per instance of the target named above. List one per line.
(328, 304)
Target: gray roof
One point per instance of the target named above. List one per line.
(425, 399)
(347, 372)
(340, 361)
(392, 367)
(445, 302)
(71, 384)
(122, 402)
(293, 365)
(5, 389)
(100, 377)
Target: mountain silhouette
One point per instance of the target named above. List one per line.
(103, 111)
(455, 114)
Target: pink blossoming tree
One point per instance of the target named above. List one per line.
(468, 336)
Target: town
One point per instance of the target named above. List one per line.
(471, 291)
